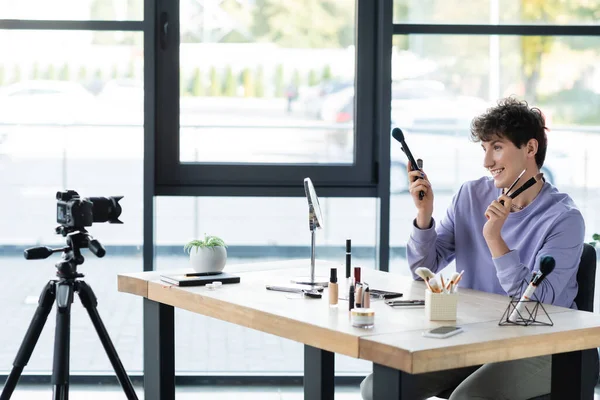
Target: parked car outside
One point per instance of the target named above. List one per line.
(45, 101)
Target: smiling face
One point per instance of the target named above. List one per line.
(505, 161)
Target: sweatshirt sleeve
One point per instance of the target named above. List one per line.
(433, 248)
(564, 243)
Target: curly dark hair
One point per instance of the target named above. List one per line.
(514, 120)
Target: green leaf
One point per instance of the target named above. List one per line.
(209, 241)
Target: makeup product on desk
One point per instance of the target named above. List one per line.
(362, 318)
(357, 274)
(348, 260)
(351, 295)
(547, 264)
(333, 288)
(359, 295)
(441, 306)
(366, 303)
(426, 275)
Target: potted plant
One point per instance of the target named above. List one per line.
(208, 255)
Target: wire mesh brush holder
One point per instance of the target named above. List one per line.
(525, 312)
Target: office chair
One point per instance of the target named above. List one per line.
(586, 280)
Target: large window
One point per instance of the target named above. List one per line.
(74, 10)
(263, 84)
(455, 77)
(555, 12)
(71, 104)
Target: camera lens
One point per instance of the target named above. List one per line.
(106, 209)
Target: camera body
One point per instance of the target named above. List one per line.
(73, 210)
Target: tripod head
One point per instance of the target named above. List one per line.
(77, 238)
(74, 213)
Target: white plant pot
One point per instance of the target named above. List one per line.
(208, 259)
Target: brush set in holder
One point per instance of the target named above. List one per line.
(441, 296)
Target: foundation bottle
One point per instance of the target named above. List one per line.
(333, 288)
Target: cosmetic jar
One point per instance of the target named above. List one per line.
(362, 317)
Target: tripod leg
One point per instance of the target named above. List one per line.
(62, 337)
(89, 301)
(30, 340)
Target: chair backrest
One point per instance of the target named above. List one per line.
(586, 278)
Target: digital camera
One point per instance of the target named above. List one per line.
(75, 211)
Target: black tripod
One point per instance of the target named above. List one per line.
(62, 291)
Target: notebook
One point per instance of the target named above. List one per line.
(199, 279)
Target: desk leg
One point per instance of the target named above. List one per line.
(319, 374)
(574, 375)
(391, 384)
(159, 351)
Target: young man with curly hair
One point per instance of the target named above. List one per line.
(499, 245)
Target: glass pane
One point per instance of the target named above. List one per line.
(69, 120)
(256, 230)
(76, 10)
(560, 75)
(557, 12)
(263, 84)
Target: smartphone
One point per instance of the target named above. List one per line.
(443, 332)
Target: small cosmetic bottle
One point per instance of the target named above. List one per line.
(359, 295)
(333, 288)
(366, 303)
(357, 275)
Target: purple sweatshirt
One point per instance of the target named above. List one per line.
(551, 225)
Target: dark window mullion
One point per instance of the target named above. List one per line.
(71, 25)
(521, 30)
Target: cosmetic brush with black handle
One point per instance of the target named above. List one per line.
(513, 185)
(526, 185)
(399, 136)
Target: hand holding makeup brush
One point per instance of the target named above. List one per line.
(496, 213)
(419, 184)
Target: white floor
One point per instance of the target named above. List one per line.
(109, 392)
(88, 392)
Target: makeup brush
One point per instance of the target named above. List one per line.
(452, 280)
(547, 264)
(426, 275)
(434, 286)
(515, 182)
(527, 185)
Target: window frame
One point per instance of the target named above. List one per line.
(251, 179)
